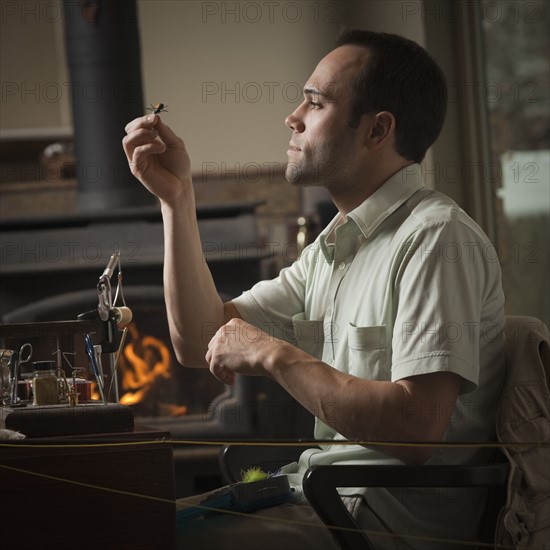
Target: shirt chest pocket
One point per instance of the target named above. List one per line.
(309, 335)
(367, 352)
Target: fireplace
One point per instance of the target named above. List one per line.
(51, 261)
(187, 402)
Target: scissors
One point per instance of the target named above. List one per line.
(16, 360)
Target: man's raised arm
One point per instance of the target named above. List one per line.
(159, 159)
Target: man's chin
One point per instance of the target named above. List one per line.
(295, 175)
(292, 179)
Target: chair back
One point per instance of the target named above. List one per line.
(523, 427)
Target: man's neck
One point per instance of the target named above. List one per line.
(350, 196)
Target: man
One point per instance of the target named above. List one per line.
(389, 326)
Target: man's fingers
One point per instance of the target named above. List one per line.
(222, 374)
(147, 121)
(137, 155)
(154, 122)
(136, 138)
(167, 135)
(137, 163)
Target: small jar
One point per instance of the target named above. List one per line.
(45, 386)
(83, 388)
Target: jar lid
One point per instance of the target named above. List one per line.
(40, 366)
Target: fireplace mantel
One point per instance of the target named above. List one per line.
(48, 254)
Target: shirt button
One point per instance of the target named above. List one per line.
(341, 266)
(329, 312)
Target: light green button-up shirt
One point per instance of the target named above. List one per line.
(408, 285)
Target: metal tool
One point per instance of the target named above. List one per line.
(17, 358)
(93, 355)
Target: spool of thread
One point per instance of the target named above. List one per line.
(123, 316)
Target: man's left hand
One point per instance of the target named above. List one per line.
(240, 348)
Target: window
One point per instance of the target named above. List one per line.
(516, 92)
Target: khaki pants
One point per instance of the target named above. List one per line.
(284, 527)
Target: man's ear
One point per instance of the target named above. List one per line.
(381, 128)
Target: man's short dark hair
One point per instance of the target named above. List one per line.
(399, 77)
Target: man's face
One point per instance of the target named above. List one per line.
(323, 149)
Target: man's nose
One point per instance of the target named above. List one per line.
(294, 122)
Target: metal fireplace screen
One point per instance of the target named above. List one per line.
(150, 380)
(162, 393)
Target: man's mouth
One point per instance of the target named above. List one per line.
(293, 148)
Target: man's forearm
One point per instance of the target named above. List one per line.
(368, 410)
(194, 307)
(359, 409)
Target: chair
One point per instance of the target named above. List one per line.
(321, 482)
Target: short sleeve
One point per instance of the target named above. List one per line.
(441, 290)
(270, 305)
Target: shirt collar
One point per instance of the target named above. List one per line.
(381, 204)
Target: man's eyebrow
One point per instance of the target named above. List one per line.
(312, 90)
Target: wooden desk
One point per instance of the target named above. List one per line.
(103, 492)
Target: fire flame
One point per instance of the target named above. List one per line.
(148, 359)
(144, 364)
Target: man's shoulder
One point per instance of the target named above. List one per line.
(428, 208)
(428, 205)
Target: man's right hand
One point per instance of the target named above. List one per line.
(158, 158)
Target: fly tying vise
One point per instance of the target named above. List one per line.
(114, 318)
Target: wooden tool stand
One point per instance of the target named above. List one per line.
(113, 491)
(85, 476)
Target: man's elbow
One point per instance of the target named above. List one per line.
(418, 446)
(422, 447)
(188, 355)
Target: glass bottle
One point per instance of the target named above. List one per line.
(45, 385)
